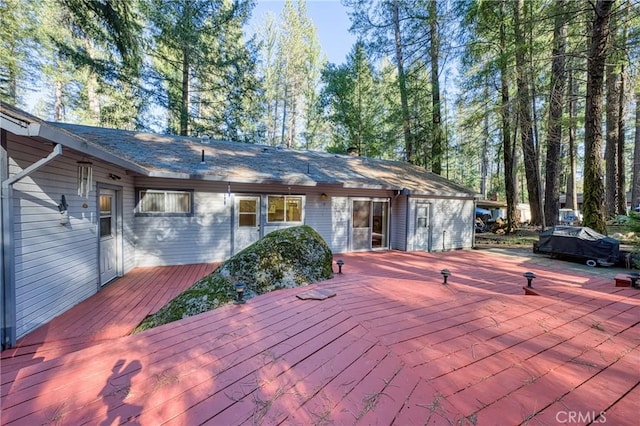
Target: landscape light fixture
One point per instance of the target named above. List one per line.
(239, 293)
(529, 276)
(634, 277)
(340, 262)
(445, 274)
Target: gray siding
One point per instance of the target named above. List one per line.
(451, 223)
(207, 235)
(56, 266)
(399, 223)
(203, 237)
(317, 215)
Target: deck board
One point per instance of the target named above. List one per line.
(394, 346)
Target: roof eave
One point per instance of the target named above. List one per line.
(233, 179)
(51, 133)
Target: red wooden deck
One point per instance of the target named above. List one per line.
(394, 346)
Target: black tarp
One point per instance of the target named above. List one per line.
(578, 241)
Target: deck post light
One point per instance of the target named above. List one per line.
(529, 276)
(634, 277)
(340, 262)
(239, 286)
(445, 274)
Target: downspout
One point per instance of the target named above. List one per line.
(8, 258)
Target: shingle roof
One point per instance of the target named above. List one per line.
(180, 157)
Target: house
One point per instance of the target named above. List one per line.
(83, 205)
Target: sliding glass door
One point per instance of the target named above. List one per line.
(370, 224)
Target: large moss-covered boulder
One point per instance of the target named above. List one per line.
(285, 258)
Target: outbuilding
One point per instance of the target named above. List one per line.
(84, 205)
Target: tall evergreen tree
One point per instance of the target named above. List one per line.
(105, 46)
(571, 196)
(593, 198)
(509, 145)
(18, 40)
(635, 180)
(202, 64)
(386, 27)
(434, 53)
(525, 117)
(291, 66)
(350, 100)
(556, 98)
(613, 87)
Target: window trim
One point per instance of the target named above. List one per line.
(138, 213)
(285, 221)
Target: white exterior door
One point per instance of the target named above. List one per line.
(108, 228)
(247, 222)
(422, 228)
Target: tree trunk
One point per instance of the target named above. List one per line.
(184, 100)
(621, 167)
(620, 160)
(404, 104)
(274, 129)
(436, 147)
(510, 183)
(58, 102)
(593, 202)
(554, 138)
(93, 103)
(611, 124)
(571, 201)
(284, 113)
(635, 180)
(485, 143)
(531, 166)
(92, 98)
(292, 129)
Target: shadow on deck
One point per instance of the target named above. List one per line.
(394, 346)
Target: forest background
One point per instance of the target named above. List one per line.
(544, 100)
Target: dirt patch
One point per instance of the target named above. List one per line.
(523, 237)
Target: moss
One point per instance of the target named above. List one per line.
(208, 293)
(285, 258)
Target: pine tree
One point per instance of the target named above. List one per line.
(204, 72)
(16, 40)
(556, 98)
(593, 199)
(351, 104)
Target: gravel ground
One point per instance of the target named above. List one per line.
(545, 260)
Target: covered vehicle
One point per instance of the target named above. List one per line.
(579, 242)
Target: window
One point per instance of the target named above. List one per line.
(105, 215)
(161, 202)
(284, 209)
(248, 212)
(422, 217)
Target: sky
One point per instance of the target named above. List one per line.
(331, 21)
(329, 16)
